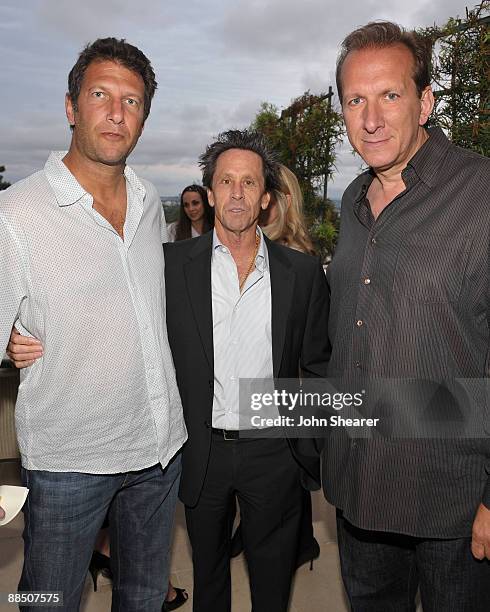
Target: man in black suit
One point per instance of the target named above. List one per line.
(240, 306)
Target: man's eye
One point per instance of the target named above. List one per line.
(132, 102)
(249, 182)
(392, 95)
(98, 94)
(226, 181)
(355, 102)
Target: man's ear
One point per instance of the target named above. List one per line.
(266, 198)
(210, 197)
(426, 105)
(69, 110)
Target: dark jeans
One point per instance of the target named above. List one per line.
(65, 510)
(382, 572)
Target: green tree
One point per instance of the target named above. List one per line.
(304, 136)
(461, 71)
(324, 231)
(3, 184)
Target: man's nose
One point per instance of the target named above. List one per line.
(373, 117)
(116, 111)
(237, 193)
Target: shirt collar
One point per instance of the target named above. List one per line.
(262, 258)
(66, 187)
(428, 160)
(424, 165)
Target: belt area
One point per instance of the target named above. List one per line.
(226, 434)
(243, 434)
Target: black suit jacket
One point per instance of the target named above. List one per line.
(299, 338)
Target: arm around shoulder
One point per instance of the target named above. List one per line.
(13, 281)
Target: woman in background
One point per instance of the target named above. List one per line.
(196, 217)
(283, 220)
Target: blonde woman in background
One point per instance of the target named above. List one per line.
(283, 220)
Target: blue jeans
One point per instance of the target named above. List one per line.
(382, 572)
(63, 514)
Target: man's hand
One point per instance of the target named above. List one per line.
(23, 350)
(480, 541)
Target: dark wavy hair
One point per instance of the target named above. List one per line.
(247, 140)
(183, 229)
(379, 34)
(114, 50)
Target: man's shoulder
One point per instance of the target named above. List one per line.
(297, 259)
(469, 159)
(24, 195)
(465, 175)
(150, 191)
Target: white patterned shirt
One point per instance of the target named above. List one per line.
(103, 398)
(242, 330)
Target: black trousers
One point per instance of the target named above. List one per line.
(382, 571)
(264, 477)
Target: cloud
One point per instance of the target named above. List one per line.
(190, 114)
(438, 12)
(170, 179)
(318, 81)
(215, 62)
(110, 17)
(288, 29)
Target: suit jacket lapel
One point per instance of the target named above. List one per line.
(282, 288)
(197, 272)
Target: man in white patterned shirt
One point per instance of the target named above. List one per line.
(99, 417)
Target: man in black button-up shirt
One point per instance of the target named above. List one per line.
(410, 309)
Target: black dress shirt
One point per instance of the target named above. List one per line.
(410, 301)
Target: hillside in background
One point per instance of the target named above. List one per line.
(171, 207)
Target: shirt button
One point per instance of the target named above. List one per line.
(367, 281)
(357, 364)
(232, 378)
(374, 241)
(359, 323)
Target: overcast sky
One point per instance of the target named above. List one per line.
(215, 62)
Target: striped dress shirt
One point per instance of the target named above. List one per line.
(410, 300)
(103, 398)
(242, 332)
